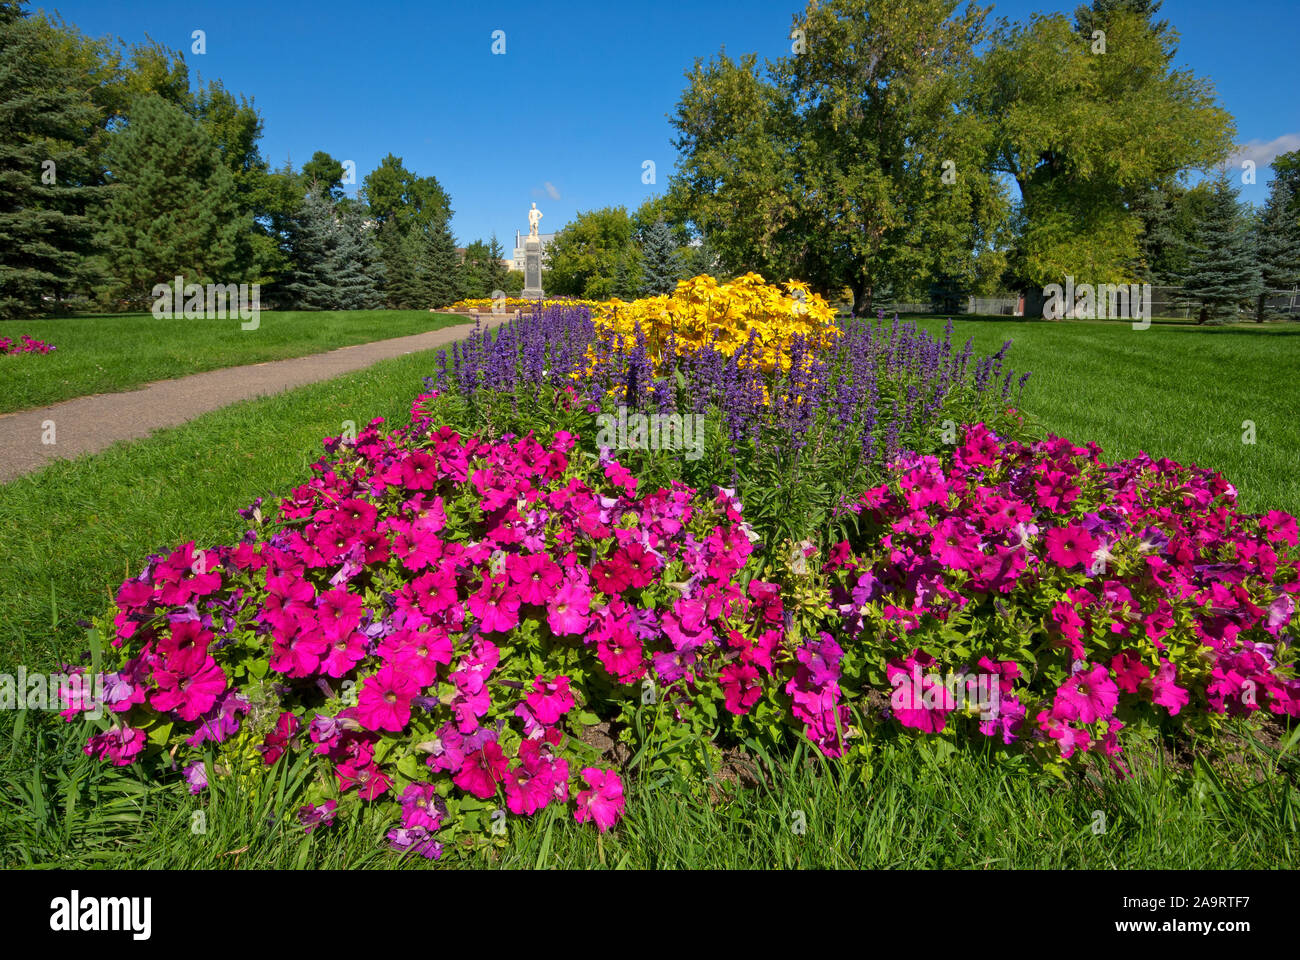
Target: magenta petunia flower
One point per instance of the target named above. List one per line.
(534, 575)
(603, 802)
(119, 745)
(185, 647)
(550, 699)
(1088, 696)
(1129, 670)
(416, 839)
(422, 807)
(741, 686)
(1165, 690)
(482, 771)
(196, 776)
(312, 816)
(385, 699)
(189, 694)
(568, 611)
(529, 788)
(1070, 545)
(620, 653)
(496, 605)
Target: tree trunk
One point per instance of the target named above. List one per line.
(861, 298)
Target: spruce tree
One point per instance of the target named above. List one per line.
(1278, 245)
(172, 209)
(627, 278)
(309, 244)
(1160, 242)
(476, 270)
(49, 185)
(439, 267)
(1222, 275)
(661, 266)
(398, 253)
(498, 271)
(357, 267)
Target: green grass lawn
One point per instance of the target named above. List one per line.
(1173, 390)
(113, 352)
(75, 529)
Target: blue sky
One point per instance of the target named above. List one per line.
(581, 97)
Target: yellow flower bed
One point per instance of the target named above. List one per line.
(485, 304)
(702, 312)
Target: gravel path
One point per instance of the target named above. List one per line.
(94, 423)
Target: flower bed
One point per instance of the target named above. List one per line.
(435, 622)
(25, 345)
(1083, 596)
(833, 416)
(434, 619)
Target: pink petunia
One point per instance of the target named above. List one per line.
(1165, 690)
(119, 745)
(496, 605)
(189, 694)
(741, 687)
(550, 699)
(482, 771)
(568, 611)
(603, 802)
(1070, 545)
(1088, 696)
(385, 699)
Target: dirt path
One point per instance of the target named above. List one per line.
(94, 423)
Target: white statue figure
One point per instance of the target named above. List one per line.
(534, 215)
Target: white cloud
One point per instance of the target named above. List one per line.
(1263, 152)
(548, 189)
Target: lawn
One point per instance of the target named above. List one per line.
(76, 528)
(113, 352)
(1173, 390)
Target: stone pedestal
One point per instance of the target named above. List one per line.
(532, 269)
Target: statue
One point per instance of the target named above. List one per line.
(534, 215)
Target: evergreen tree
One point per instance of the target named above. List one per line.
(397, 253)
(173, 209)
(497, 269)
(49, 185)
(1222, 274)
(627, 283)
(476, 270)
(334, 263)
(309, 246)
(358, 270)
(661, 266)
(1160, 242)
(1278, 245)
(439, 267)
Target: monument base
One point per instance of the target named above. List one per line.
(532, 270)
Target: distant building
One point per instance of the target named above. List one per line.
(518, 263)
